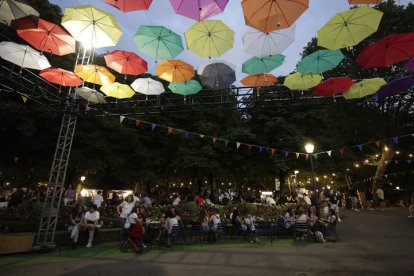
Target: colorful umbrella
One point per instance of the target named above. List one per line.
(45, 36)
(410, 65)
(257, 65)
(60, 76)
(199, 10)
(158, 42)
(333, 86)
(148, 86)
(394, 87)
(130, 5)
(91, 26)
(94, 74)
(349, 28)
(359, 2)
(190, 87)
(270, 15)
(175, 71)
(14, 9)
(23, 55)
(259, 80)
(297, 81)
(389, 50)
(210, 38)
(261, 44)
(364, 88)
(127, 63)
(320, 61)
(218, 75)
(118, 90)
(91, 95)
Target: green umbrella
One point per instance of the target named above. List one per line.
(185, 88)
(158, 42)
(320, 61)
(260, 65)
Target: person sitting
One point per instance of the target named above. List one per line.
(236, 221)
(289, 217)
(90, 222)
(250, 228)
(76, 217)
(170, 223)
(134, 224)
(204, 221)
(214, 222)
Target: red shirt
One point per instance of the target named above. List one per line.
(199, 200)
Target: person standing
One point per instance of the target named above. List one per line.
(69, 196)
(97, 199)
(354, 199)
(124, 209)
(380, 196)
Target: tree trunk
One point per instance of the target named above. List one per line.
(379, 175)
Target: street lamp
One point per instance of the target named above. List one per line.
(309, 148)
(83, 178)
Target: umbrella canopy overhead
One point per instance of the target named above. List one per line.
(158, 42)
(364, 88)
(91, 95)
(118, 90)
(257, 65)
(349, 28)
(198, 10)
(410, 65)
(148, 86)
(187, 88)
(271, 15)
(259, 80)
(360, 2)
(23, 55)
(297, 81)
(210, 38)
(45, 36)
(394, 87)
(175, 71)
(333, 86)
(218, 75)
(94, 74)
(127, 63)
(91, 26)
(261, 44)
(60, 76)
(389, 50)
(15, 9)
(320, 61)
(130, 5)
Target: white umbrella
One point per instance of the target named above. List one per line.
(14, 9)
(23, 55)
(261, 44)
(148, 86)
(91, 95)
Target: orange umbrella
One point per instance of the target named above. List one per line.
(270, 15)
(357, 2)
(259, 80)
(175, 71)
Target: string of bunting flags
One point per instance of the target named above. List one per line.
(386, 176)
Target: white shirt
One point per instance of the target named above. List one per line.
(250, 223)
(126, 208)
(97, 200)
(136, 199)
(131, 219)
(176, 201)
(380, 194)
(170, 224)
(270, 201)
(91, 216)
(307, 200)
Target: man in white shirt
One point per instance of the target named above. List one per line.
(176, 201)
(90, 222)
(97, 199)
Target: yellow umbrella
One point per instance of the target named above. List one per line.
(94, 74)
(91, 26)
(349, 28)
(297, 81)
(118, 90)
(175, 71)
(210, 38)
(364, 88)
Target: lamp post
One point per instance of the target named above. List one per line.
(309, 148)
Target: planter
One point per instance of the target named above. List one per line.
(16, 243)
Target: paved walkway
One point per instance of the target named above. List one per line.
(376, 243)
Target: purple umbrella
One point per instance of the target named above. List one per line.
(393, 88)
(199, 9)
(410, 65)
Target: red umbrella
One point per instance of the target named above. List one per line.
(130, 5)
(389, 50)
(333, 86)
(61, 77)
(44, 35)
(127, 63)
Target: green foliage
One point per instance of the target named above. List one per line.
(249, 208)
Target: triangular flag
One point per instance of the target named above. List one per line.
(307, 156)
(249, 147)
(170, 130)
(386, 176)
(329, 152)
(238, 145)
(273, 151)
(226, 142)
(214, 140)
(286, 153)
(121, 119)
(201, 136)
(315, 155)
(386, 162)
(297, 155)
(24, 98)
(378, 143)
(137, 122)
(395, 139)
(153, 126)
(16, 159)
(360, 147)
(341, 151)
(260, 149)
(396, 162)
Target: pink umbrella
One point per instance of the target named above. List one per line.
(199, 10)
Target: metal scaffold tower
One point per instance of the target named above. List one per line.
(56, 184)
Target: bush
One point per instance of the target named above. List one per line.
(191, 207)
(249, 208)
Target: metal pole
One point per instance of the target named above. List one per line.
(313, 174)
